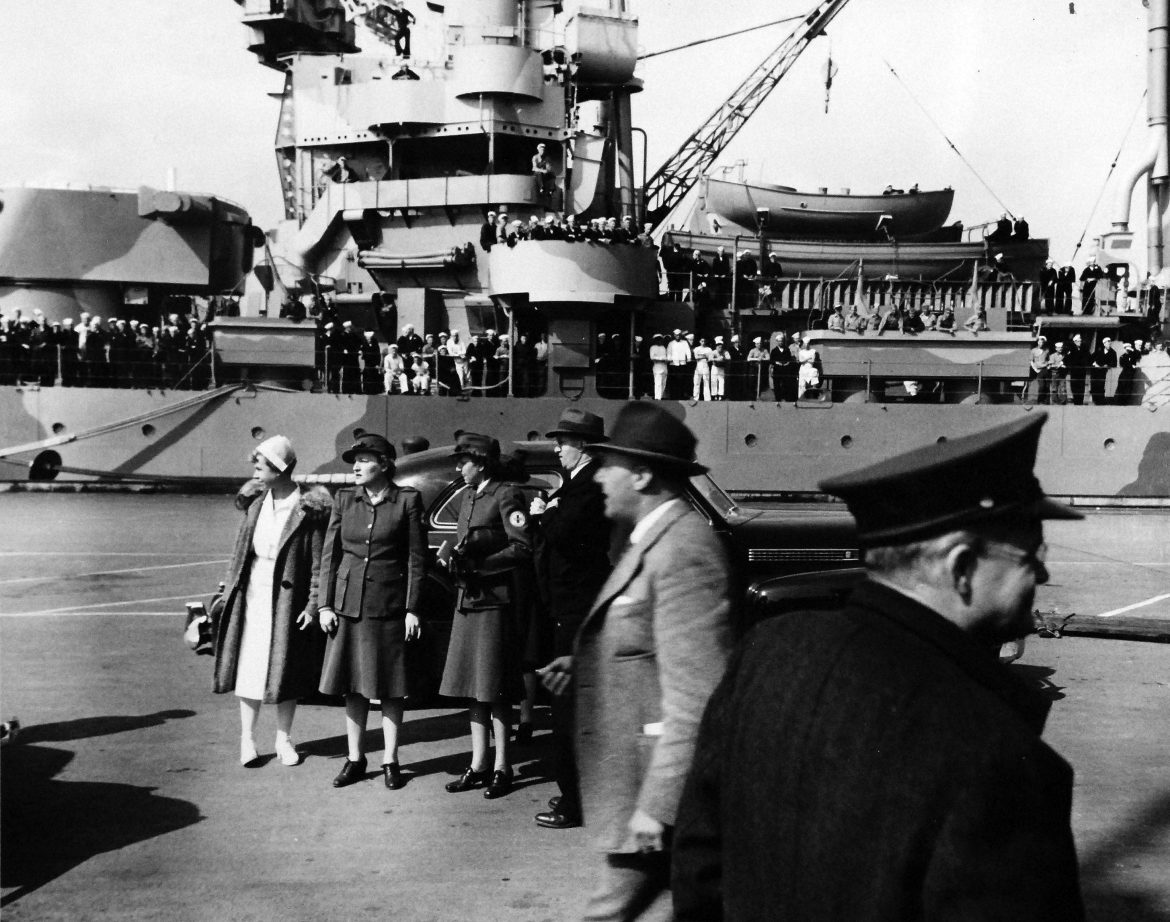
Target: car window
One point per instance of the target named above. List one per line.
(446, 514)
(713, 494)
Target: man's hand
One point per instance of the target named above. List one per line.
(413, 628)
(557, 675)
(647, 832)
(328, 619)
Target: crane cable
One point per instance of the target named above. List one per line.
(715, 38)
(951, 143)
(1108, 176)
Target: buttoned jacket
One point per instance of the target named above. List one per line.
(572, 553)
(493, 539)
(646, 659)
(374, 558)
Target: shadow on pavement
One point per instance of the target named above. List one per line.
(85, 727)
(48, 827)
(1039, 678)
(1135, 844)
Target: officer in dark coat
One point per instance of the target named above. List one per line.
(572, 563)
(877, 762)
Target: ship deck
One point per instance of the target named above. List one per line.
(122, 799)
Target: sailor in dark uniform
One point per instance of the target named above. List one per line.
(1090, 275)
(491, 563)
(878, 762)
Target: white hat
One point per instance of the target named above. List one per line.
(278, 451)
(718, 339)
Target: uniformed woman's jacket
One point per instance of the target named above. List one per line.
(374, 559)
(493, 540)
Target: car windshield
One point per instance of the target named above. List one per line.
(713, 494)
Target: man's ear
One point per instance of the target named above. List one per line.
(961, 561)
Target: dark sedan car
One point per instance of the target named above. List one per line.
(763, 543)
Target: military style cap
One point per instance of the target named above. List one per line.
(580, 423)
(483, 447)
(942, 487)
(372, 443)
(648, 432)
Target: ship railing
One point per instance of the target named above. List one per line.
(57, 365)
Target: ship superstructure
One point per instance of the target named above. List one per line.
(390, 162)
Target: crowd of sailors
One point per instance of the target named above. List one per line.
(92, 351)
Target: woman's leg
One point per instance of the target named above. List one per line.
(478, 713)
(285, 712)
(501, 722)
(391, 724)
(249, 711)
(356, 709)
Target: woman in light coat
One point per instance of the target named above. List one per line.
(265, 651)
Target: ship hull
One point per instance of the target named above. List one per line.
(751, 447)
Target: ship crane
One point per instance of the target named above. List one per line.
(678, 175)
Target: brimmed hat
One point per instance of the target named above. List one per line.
(372, 443)
(581, 424)
(479, 446)
(648, 432)
(277, 451)
(948, 485)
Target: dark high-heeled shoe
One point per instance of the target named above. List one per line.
(468, 780)
(500, 784)
(523, 733)
(350, 772)
(392, 775)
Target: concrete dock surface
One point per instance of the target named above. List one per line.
(123, 798)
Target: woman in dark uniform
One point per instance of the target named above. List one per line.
(372, 569)
(492, 546)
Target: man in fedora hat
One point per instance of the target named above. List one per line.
(645, 661)
(572, 562)
(878, 762)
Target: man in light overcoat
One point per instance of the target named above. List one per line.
(646, 659)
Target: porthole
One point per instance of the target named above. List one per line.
(58, 428)
(846, 441)
(257, 433)
(1109, 444)
(750, 440)
(147, 430)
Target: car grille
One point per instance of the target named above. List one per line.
(785, 554)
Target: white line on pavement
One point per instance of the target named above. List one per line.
(58, 577)
(1119, 611)
(84, 609)
(173, 613)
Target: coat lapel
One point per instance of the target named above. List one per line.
(291, 524)
(631, 561)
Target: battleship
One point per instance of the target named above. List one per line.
(389, 163)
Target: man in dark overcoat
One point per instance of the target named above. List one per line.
(572, 562)
(877, 762)
(645, 661)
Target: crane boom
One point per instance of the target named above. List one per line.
(678, 175)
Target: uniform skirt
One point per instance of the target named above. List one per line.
(483, 663)
(367, 658)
